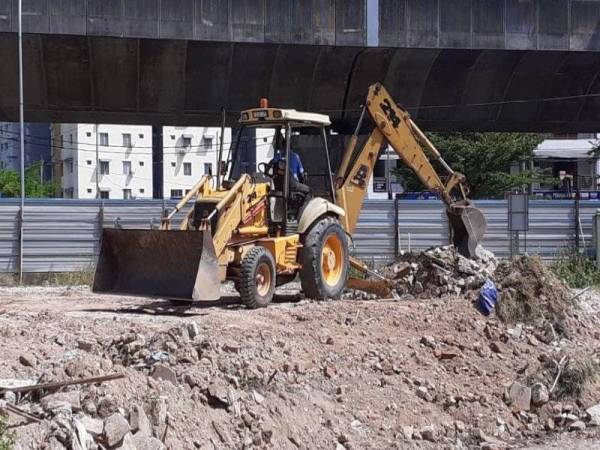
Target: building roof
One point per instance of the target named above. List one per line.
(565, 148)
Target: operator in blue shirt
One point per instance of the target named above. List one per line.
(296, 169)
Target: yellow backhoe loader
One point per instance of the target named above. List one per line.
(262, 230)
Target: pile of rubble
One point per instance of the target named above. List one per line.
(344, 375)
(529, 292)
(73, 419)
(435, 272)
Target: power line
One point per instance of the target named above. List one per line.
(43, 138)
(78, 149)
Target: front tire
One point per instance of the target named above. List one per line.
(324, 259)
(256, 283)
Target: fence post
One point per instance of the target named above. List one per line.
(100, 224)
(396, 228)
(21, 224)
(577, 220)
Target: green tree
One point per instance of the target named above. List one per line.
(10, 183)
(485, 159)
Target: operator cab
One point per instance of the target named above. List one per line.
(287, 195)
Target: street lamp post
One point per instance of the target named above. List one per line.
(22, 126)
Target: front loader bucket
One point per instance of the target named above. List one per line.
(170, 264)
(468, 226)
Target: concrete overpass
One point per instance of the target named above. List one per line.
(458, 64)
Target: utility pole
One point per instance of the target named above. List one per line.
(22, 126)
(97, 166)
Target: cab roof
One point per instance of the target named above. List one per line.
(278, 116)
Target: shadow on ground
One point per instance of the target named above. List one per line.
(184, 309)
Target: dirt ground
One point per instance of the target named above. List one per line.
(347, 374)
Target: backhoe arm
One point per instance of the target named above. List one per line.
(394, 126)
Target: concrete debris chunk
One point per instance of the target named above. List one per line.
(539, 394)
(139, 421)
(193, 330)
(115, 429)
(27, 359)
(107, 406)
(578, 425)
(594, 415)
(128, 443)
(95, 427)
(162, 372)
(519, 397)
(407, 432)
(258, 398)
(142, 442)
(158, 415)
(72, 398)
(428, 433)
(434, 272)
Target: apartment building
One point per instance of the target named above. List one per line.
(104, 161)
(187, 154)
(132, 159)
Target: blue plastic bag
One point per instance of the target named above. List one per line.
(488, 297)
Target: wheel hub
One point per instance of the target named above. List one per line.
(332, 260)
(263, 279)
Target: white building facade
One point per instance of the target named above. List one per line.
(116, 161)
(104, 161)
(189, 153)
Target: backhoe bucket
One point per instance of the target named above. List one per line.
(170, 264)
(468, 226)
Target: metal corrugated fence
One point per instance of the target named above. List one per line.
(63, 235)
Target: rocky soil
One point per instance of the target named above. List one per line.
(424, 371)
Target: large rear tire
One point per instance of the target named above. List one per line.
(324, 259)
(256, 283)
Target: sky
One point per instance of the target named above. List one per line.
(372, 22)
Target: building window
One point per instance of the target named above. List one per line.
(142, 190)
(127, 194)
(207, 168)
(173, 164)
(89, 191)
(69, 164)
(68, 193)
(88, 134)
(127, 168)
(207, 142)
(186, 141)
(141, 135)
(89, 162)
(71, 139)
(187, 168)
(141, 163)
(105, 195)
(176, 193)
(104, 168)
(104, 139)
(127, 140)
